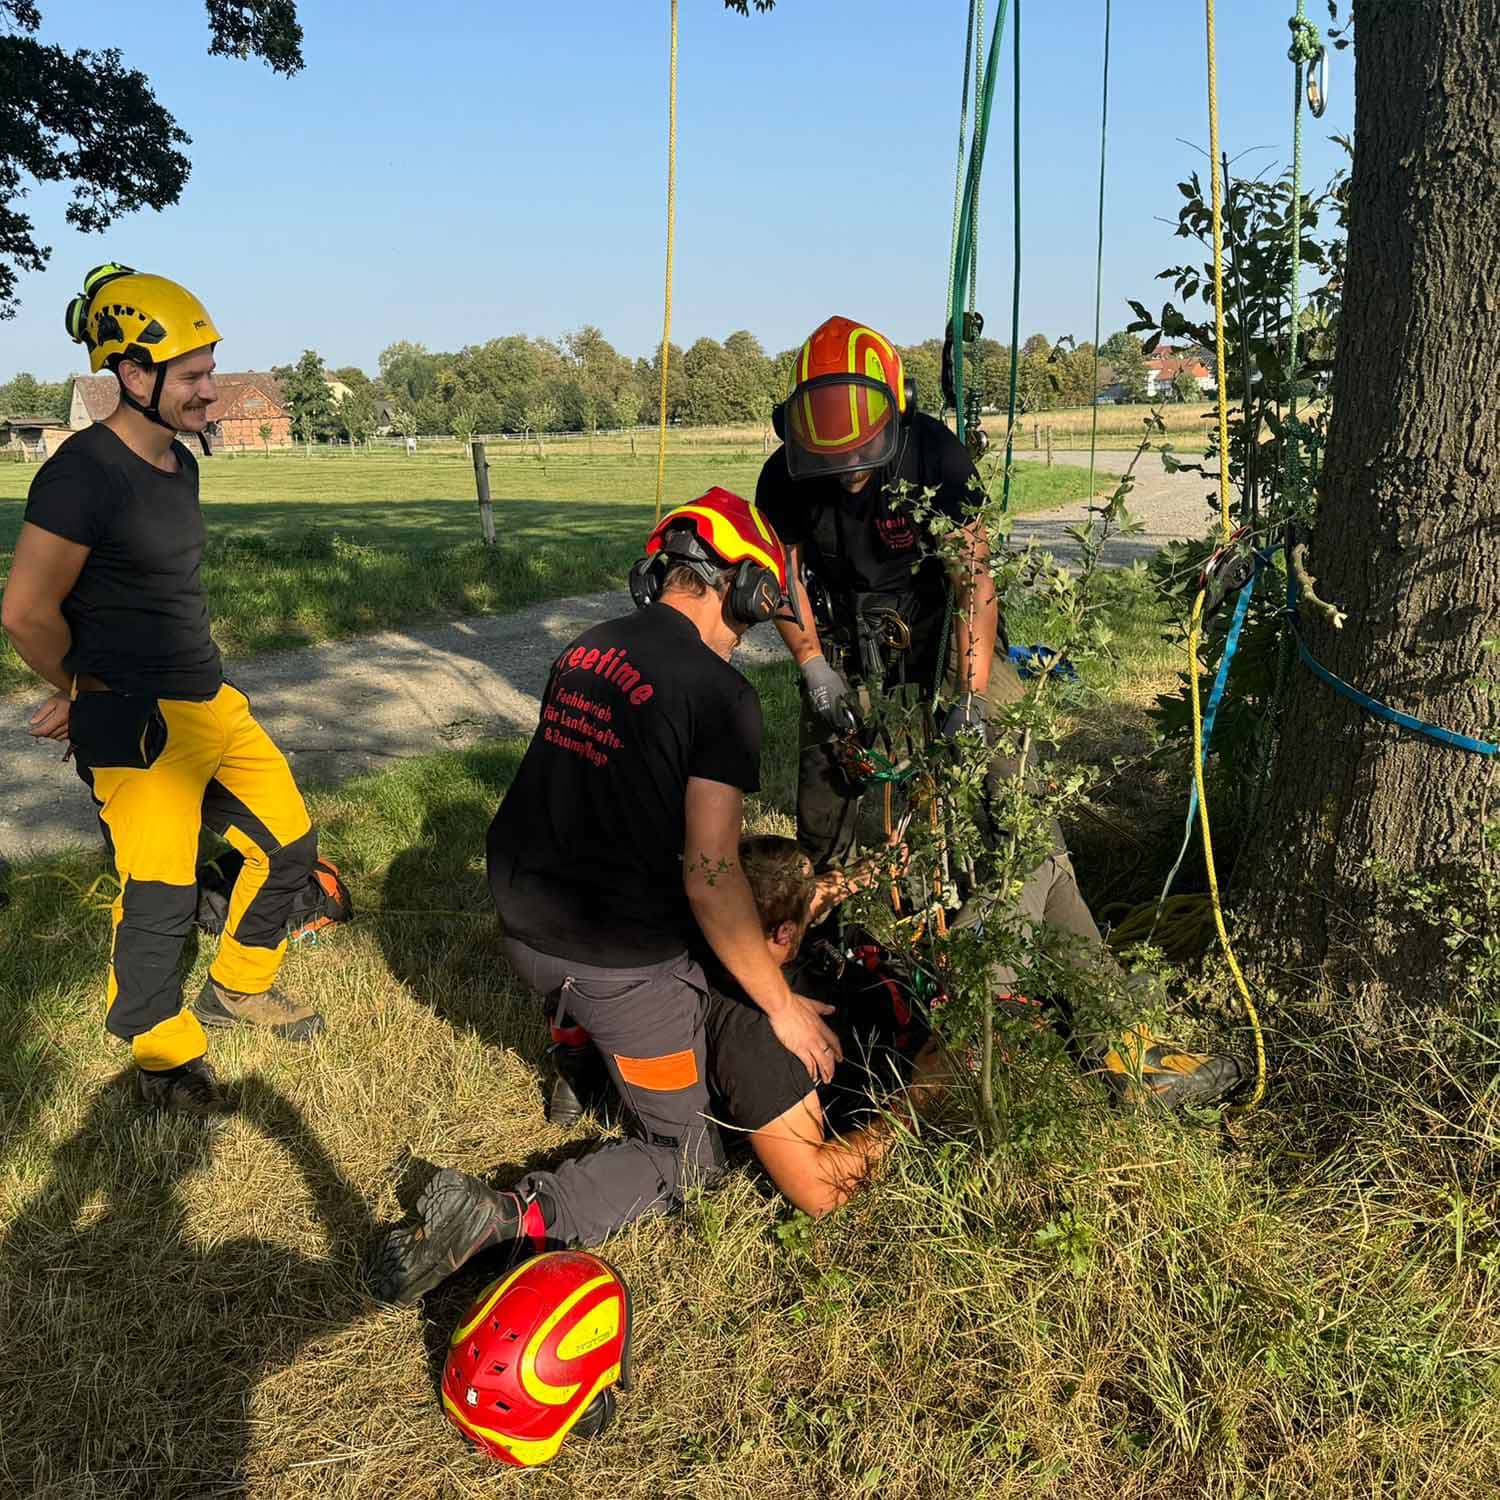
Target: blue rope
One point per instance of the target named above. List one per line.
(1210, 713)
(1374, 705)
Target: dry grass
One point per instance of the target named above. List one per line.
(1110, 1306)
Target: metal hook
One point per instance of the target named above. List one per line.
(1317, 84)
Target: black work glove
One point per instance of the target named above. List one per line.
(970, 712)
(828, 693)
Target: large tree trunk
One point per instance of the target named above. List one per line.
(1407, 537)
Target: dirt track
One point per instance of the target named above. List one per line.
(354, 705)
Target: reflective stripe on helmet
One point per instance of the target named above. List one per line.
(730, 527)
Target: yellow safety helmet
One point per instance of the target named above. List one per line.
(122, 314)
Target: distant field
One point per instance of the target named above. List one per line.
(1187, 425)
(305, 549)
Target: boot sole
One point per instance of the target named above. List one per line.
(217, 1019)
(455, 1220)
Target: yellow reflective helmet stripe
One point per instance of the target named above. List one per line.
(532, 1383)
(726, 538)
(487, 1302)
(530, 1451)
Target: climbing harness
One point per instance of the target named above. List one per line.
(666, 324)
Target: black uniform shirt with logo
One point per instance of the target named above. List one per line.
(137, 614)
(755, 1080)
(869, 543)
(585, 853)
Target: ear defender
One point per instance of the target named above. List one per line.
(646, 580)
(778, 420)
(754, 595)
(77, 316)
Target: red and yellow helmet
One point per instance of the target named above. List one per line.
(720, 533)
(537, 1355)
(730, 527)
(847, 400)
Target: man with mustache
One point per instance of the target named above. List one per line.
(105, 602)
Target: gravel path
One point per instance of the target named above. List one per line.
(355, 705)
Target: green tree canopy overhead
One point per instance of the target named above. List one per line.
(90, 120)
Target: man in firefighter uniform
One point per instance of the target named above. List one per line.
(614, 862)
(104, 601)
(860, 490)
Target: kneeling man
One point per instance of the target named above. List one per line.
(613, 858)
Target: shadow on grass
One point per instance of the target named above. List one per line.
(148, 1335)
(54, 939)
(437, 924)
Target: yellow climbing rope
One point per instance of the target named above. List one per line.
(666, 322)
(1195, 626)
(1208, 860)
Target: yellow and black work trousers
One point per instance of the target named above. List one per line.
(159, 769)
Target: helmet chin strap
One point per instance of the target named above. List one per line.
(152, 412)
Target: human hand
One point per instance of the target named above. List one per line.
(971, 712)
(800, 1029)
(50, 721)
(827, 692)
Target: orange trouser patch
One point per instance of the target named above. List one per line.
(664, 1075)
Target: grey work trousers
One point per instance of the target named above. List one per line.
(649, 1025)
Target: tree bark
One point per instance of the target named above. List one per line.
(1407, 533)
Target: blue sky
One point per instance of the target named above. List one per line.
(450, 173)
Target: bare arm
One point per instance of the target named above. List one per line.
(801, 640)
(43, 573)
(976, 615)
(817, 1174)
(725, 912)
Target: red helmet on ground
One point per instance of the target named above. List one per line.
(720, 532)
(847, 402)
(537, 1355)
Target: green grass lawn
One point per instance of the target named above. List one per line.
(311, 549)
(1106, 1304)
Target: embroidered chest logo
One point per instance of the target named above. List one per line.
(896, 533)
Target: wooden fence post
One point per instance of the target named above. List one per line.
(482, 483)
(1049, 445)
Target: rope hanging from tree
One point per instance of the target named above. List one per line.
(1195, 625)
(666, 324)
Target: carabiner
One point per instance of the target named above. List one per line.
(1317, 84)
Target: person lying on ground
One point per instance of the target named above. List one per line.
(757, 1088)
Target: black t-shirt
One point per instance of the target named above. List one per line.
(869, 543)
(137, 613)
(755, 1080)
(585, 853)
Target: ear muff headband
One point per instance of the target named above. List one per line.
(754, 593)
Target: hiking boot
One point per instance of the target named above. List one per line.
(1142, 1070)
(272, 1009)
(189, 1089)
(457, 1217)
